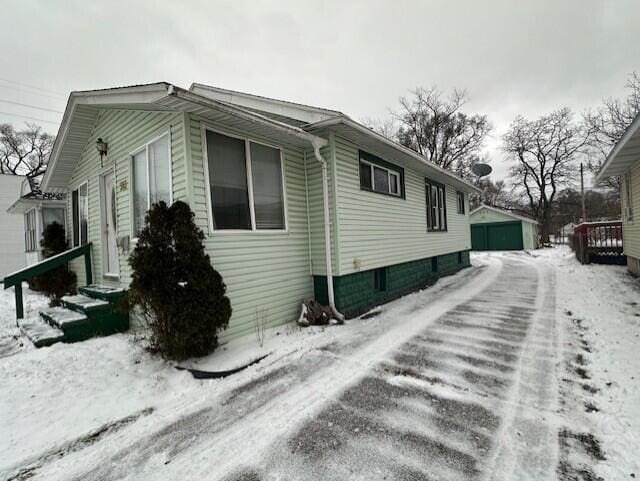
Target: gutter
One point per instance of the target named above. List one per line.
(343, 119)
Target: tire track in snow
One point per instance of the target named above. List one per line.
(442, 405)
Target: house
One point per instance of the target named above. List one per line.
(498, 229)
(12, 255)
(295, 201)
(624, 162)
(38, 209)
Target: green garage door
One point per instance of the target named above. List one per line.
(497, 236)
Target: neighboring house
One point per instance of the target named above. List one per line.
(624, 161)
(494, 229)
(12, 255)
(287, 195)
(37, 210)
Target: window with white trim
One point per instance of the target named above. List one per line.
(436, 206)
(628, 198)
(80, 214)
(151, 178)
(378, 176)
(246, 184)
(30, 235)
(460, 201)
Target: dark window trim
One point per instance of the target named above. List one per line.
(372, 159)
(458, 194)
(433, 183)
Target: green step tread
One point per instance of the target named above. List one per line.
(84, 304)
(63, 318)
(40, 333)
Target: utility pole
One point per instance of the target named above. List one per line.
(584, 210)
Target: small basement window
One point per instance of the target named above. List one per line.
(459, 257)
(380, 279)
(434, 264)
(376, 175)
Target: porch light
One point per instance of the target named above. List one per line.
(101, 146)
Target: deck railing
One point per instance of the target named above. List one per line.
(598, 242)
(15, 279)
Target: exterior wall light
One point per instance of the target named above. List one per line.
(101, 147)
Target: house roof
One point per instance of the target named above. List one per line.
(82, 110)
(287, 122)
(32, 196)
(624, 154)
(504, 212)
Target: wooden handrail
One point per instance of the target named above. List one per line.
(15, 279)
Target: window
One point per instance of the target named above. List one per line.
(436, 206)
(434, 264)
(628, 198)
(459, 257)
(51, 215)
(80, 214)
(378, 176)
(30, 235)
(151, 178)
(380, 279)
(246, 184)
(460, 199)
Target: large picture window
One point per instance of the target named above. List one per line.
(151, 178)
(80, 214)
(246, 184)
(436, 206)
(379, 176)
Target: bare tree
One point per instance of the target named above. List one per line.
(545, 152)
(436, 127)
(609, 122)
(386, 127)
(24, 152)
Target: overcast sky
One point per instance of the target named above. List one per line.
(512, 57)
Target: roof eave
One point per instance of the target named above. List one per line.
(343, 119)
(610, 161)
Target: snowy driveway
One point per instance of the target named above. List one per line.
(458, 384)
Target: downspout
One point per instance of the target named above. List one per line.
(317, 143)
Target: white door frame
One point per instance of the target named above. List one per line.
(104, 239)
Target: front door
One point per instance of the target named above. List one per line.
(110, 262)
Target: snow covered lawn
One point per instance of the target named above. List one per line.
(524, 367)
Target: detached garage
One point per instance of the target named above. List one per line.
(495, 229)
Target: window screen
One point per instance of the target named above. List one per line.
(268, 196)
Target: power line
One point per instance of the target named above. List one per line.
(32, 92)
(30, 106)
(29, 118)
(34, 87)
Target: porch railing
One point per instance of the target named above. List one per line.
(16, 278)
(599, 242)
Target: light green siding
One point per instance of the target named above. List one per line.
(376, 230)
(530, 235)
(124, 131)
(267, 274)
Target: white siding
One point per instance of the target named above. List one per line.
(12, 255)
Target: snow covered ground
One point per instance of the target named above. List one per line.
(522, 368)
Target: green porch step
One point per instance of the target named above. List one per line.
(93, 312)
(105, 293)
(41, 334)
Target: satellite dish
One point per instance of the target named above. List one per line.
(481, 169)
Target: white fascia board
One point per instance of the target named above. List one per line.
(248, 115)
(305, 113)
(135, 94)
(342, 119)
(505, 212)
(611, 158)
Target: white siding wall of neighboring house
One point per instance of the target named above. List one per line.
(631, 227)
(12, 253)
(376, 230)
